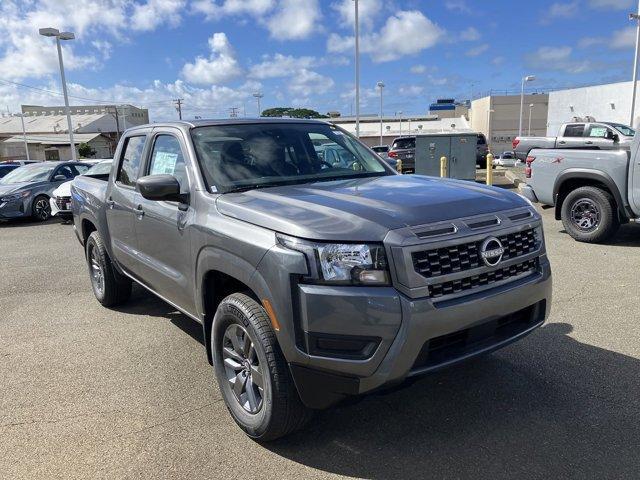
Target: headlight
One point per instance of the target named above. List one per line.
(15, 196)
(342, 263)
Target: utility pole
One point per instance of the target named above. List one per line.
(636, 17)
(178, 102)
(380, 85)
(233, 112)
(24, 136)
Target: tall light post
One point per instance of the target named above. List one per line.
(258, 96)
(54, 32)
(400, 114)
(528, 78)
(530, 111)
(636, 17)
(489, 112)
(380, 85)
(24, 135)
(357, 62)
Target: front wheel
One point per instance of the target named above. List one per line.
(41, 209)
(589, 215)
(252, 373)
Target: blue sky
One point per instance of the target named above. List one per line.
(215, 53)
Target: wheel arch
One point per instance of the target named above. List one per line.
(571, 179)
(218, 274)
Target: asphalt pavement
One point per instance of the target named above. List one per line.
(87, 392)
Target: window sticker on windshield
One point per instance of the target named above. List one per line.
(164, 162)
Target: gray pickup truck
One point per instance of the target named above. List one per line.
(580, 135)
(313, 281)
(593, 191)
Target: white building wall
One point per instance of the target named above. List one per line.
(610, 102)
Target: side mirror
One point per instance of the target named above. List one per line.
(612, 136)
(161, 188)
(60, 178)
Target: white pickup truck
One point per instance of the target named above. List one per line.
(580, 135)
(593, 191)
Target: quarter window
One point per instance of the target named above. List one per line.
(167, 158)
(131, 158)
(574, 130)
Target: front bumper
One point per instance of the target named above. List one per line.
(14, 209)
(60, 208)
(415, 336)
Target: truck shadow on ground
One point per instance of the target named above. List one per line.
(548, 406)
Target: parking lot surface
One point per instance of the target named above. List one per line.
(89, 392)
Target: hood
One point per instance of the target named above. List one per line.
(16, 187)
(363, 209)
(64, 190)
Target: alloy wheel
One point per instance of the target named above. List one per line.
(242, 367)
(42, 208)
(585, 214)
(97, 273)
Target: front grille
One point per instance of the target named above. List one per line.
(444, 349)
(62, 202)
(487, 278)
(458, 258)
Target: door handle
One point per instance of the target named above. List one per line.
(139, 211)
(562, 142)
(588, 143)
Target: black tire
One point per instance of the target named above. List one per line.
(115, 288)
(276, 409)
(40, 208)
(589, 215)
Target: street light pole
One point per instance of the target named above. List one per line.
(489, 112)
(380, 85)
(54, 32)
(24, 136)
(400, 113)
(258, 96)
(530, 110)
(528, 78)
(357, 62)
(636, 17)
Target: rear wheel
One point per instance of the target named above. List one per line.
(41, 209)
(252, 373)
(589, 215)
(110, 287)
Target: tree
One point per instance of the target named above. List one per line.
(85, 150)
(291, 112)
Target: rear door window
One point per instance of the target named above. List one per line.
(574, 130)
(130, 163)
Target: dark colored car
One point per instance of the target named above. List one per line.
(312, 280)
(404, 149)
(25, 191)
(482, 150)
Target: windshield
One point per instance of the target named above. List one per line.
(102, 168)
(28, 173)
(623, 129)
(237, 157)
(383, 148)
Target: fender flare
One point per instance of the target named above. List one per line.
(587, 174)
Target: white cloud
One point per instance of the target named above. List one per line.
(280, 65)
(308, 82)
(471, 34)
(418, 69)
(619, 39)
(457, 6)
(220, 67)
(476, 51)
(213, 9)
(367, 11)
(611, 4)
(406, 33)
(153, 13)
(294, 19)
(563, 10)
(497, 60)
(558, 59)
(410, 90)
(103, 47)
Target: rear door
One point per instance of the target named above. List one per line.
(122, 199)
(573, 136)
(162, 228)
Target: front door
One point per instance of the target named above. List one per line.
(122, 199)
(164, 236)
(634, 181)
